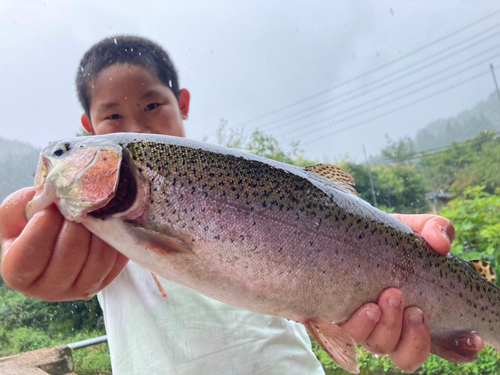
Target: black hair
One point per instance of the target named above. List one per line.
(124, 49)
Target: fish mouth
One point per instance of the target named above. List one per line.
(125, 196)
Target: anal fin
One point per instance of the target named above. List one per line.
(336, 342)
(456, 347)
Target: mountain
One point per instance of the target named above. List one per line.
(469, 123)
(18, 162)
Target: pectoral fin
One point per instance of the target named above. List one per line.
(456, 347)
(159, 242)
(336, 342)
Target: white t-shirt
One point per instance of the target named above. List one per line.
(188, 333)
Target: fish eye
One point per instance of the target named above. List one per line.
(62, 149)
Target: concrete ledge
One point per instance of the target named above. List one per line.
(39, 362)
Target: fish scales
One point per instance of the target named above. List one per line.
(278, 240)
(277, 199)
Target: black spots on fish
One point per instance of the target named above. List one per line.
(242, 237)
(280, 250)
(217, 237)
(361, 236)
(206, 228)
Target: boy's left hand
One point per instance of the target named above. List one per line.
(387, 327)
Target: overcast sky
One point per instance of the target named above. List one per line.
(243, 60)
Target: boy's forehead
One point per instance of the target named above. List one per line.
(126, 82)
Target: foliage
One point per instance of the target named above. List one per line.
(465, 164)
(444, 132)
(82, 133)
(489, 363)
(402, 188)
(476, 217)
(18, 311)
(398, 188)
(400, 151)
(261, 144)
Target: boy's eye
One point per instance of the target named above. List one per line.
(114, 116)
(151, 106)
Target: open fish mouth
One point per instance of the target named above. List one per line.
(83, 180)
(126, 193)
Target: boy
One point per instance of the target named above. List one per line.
(129, 84)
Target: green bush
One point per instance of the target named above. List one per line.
(476, 217)
(28, 338)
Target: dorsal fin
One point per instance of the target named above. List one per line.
(484, 269)
(336, 176)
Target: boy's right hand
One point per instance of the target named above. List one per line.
(51, 258)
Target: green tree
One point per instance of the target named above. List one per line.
(400, 151)
(463, 162)
(402, 188)
(476, 217)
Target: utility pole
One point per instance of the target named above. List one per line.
(495, 79)
(371, 181)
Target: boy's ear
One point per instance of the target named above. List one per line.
(86, 124)
(184, 98)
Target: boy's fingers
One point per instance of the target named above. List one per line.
(362, 323)
(51, 258)
(27, 256)
(12, 220)
(436, 230)
(70, 252)
(386, 334)
(102, 266)
(415, 345)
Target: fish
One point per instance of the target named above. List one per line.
(292, 242)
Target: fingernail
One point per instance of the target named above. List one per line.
(394, 302)
(372, 315)
(416, 316)
(444, 233)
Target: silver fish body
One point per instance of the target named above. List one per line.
(262, 235)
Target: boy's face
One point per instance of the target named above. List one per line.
(128, 98)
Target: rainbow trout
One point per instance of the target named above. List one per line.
(262, 235)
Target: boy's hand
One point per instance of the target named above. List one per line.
(51, 258)
(389, 328)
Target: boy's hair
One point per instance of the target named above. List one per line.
(124, 49)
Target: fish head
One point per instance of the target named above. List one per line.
(80, 175)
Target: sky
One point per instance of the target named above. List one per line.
(333, 75)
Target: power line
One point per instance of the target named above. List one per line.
(395, 110)
(379, 105)
(373, 70)
(419, 154)
(345, 99)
